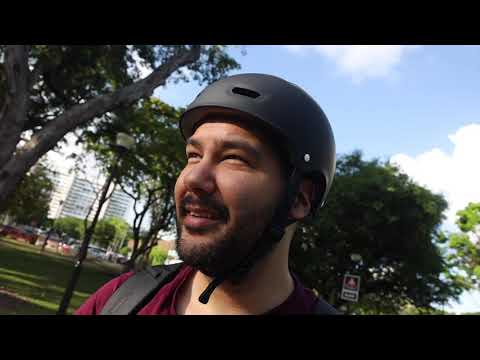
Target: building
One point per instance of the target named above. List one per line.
(74, 195)
(81, 195)
(118, 205)
(62, 182)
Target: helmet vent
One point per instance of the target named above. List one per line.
(245, 92)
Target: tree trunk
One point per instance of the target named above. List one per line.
(42, 249)
(82, 253)
(15, 167)
(130, 264)
(13, 113)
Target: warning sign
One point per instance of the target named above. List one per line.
(351, 288)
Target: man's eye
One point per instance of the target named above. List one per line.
(236, 157)
(192, 155)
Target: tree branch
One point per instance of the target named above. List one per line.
(111, 193)
(139, 216)
(33, 122)
(127, 192)
(146, 207)
(47, 138)
(149, 247)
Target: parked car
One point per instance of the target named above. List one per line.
(98, 253)
(115, 257)
(120, 259)
(67, 245)
(18, 233)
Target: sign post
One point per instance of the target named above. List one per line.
(351, 288)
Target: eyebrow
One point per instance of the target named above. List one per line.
(231, 144)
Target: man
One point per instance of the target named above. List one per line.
(261, 157)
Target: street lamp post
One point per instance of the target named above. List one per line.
(357, 259)
(124, 143)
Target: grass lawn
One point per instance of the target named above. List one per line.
(33, 283)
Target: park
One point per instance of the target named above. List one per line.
(92, 150)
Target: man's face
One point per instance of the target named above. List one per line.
(225, 196)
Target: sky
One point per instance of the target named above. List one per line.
(417, 106)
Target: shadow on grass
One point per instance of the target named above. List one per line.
(13, 305)
(39, 279)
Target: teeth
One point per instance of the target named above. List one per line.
(208, 216)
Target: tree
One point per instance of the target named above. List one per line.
(149, 172)
(30, 203)
(49, 91)
(157, 256)
(464, 246)
(412, 310)
(110, 231)
(71, 226)
(377, 212)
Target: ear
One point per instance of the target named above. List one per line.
(303, 202)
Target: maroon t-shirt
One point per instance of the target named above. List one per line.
(300, 301)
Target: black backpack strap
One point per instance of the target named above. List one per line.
(323, 308)
(134, 293)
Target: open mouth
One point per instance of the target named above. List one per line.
(202, 215)
(200, 218)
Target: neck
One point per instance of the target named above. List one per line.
(266, 286)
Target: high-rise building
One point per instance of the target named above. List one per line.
(62, 182)
(74, 196)
(81, 195)
(118, 205)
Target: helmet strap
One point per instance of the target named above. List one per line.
(272, 236)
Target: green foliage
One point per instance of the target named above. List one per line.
(71, 74)
(464, 247)
(469, 218)
(157, 256)
(158, 153)
(124, 251)
(71, 226)
(377, 212)
(412, 310)
(149, 171)
(65, 76)
(109, 231)
(30, 202)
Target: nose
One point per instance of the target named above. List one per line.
(200, 178)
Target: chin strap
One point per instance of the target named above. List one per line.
(272, 236)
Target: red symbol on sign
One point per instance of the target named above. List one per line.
(352, 283)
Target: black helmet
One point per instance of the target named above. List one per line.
(283, 107)
(290, 114)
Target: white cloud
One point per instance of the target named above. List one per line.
(456, 175)
(360, 61)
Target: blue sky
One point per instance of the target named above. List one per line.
(429, 94)
(417, 106)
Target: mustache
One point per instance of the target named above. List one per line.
(205, 202)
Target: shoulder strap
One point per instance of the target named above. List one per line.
(134, 293)
(323, 308)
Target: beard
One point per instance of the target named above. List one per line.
(227, 243)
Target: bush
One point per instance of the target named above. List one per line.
(124, 251)
(157, 256)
